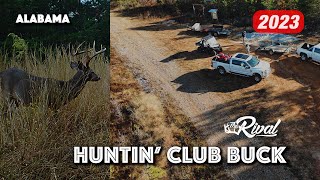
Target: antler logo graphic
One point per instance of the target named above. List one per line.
(232, 127)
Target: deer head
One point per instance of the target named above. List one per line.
(83, 66)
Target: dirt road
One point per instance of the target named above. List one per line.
(166, 57)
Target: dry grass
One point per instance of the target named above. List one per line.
(36, 142)
(144, 119)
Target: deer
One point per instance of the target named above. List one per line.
(21, 88)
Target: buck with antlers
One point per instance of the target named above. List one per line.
(19, 87)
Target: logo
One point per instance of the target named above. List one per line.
(248, 126)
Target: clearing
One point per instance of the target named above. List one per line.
(165, 55)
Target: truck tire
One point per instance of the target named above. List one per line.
(215, 34)
(304, 57)
(221, 70)
(271, 52)
(257, 77)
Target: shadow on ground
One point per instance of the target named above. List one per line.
(159, 26)
(275, 56)
(190, 34)
(207, 80)
(298, 133)
(188, 55)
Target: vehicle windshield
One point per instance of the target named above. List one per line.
(253, 61)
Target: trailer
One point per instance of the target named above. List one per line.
(274, 47)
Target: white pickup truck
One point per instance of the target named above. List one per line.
(243, 65)
(309, 51)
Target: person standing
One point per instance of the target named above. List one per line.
(248, 48)
(243, 36)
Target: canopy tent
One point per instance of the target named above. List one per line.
(214, 13)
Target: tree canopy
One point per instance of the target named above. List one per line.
(233, 10)
(89, 21)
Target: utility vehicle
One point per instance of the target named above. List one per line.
(209, 44)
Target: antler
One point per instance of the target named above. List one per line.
(94, 54)
(77, 50)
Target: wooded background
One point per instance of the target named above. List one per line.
(237, 12)
(90, 21)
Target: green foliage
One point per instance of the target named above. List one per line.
(156, 172)
(237, 12)
(15, 46)
(89, 21)
(310, 10)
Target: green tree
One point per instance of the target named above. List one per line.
(89, 21)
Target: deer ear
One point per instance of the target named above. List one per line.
(74, 65)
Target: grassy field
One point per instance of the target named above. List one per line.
(37, 142)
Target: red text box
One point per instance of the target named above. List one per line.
(278, 21)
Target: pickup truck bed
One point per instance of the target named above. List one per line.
(309, 51)
(307, 46)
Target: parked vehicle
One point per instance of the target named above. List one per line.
(209, 44)
(243, 65)
(215, 30)
(273, 47)
(309, 51)
(218, 30)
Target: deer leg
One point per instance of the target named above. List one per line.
(22, 94)
(6, 108)
(4, 111)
